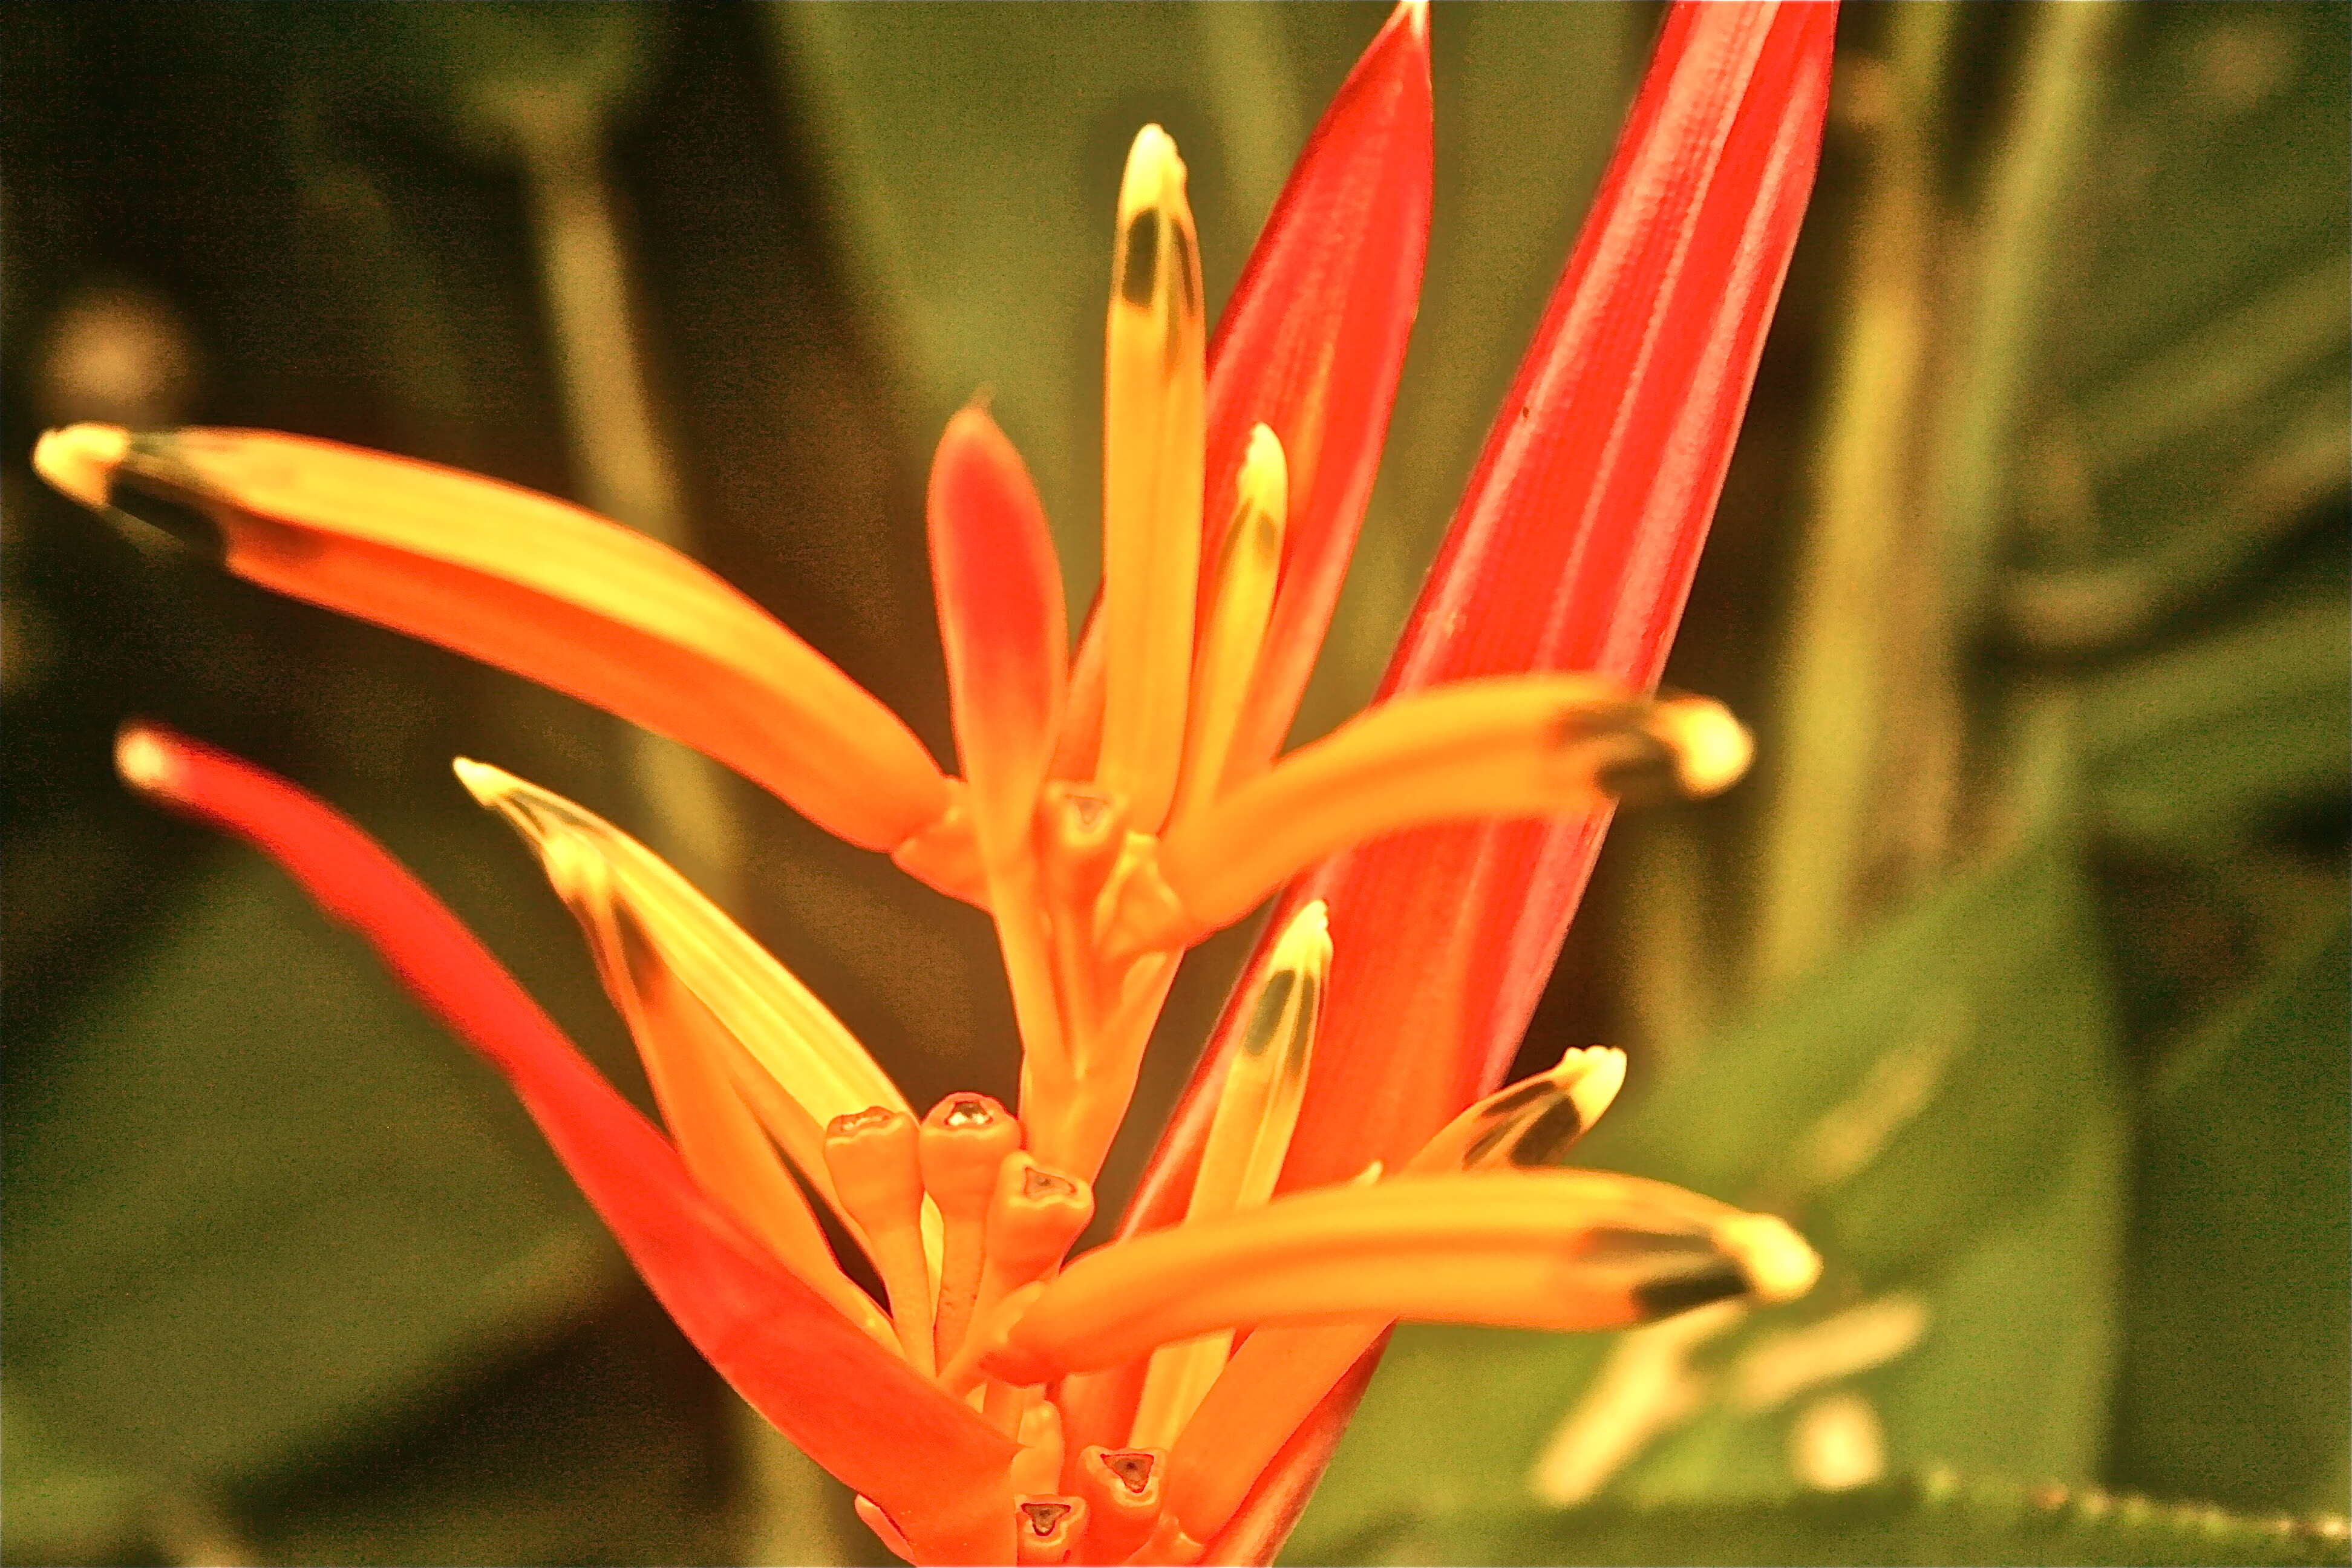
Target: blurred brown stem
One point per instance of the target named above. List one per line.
(624, 463)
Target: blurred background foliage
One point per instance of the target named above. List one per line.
(2017, 976)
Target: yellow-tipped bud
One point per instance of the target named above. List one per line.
(530, 584)
(1249, 563)
(1778, 1262)
(816, 1068)
(1712, 749)
(1538, 1249)
(1153, 428)
(1531, 1123)
(1256, 1110)
(80, 460)
(1259, 1106)
(1502, 746)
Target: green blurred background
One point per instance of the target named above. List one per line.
(2017, 976)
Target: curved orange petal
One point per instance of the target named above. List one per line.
(540, 587)
(1548, 1248)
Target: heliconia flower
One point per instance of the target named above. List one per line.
(1344, 1159)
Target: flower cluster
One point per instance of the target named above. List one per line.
(1344, 1160)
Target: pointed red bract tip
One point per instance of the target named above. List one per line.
(1002, 620)
(852, 1406)
(1311, 344)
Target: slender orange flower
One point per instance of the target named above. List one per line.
(1343, 1158)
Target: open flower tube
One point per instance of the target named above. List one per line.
(1347, 1156)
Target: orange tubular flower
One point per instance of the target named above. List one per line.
(1172, 1396)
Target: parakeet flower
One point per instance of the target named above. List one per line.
(1344, 1158)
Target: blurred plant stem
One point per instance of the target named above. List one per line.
(2039, 153)
(2040, 157)
(1933, 373)
(1867, 527)
(552, 112)
(1672, 986)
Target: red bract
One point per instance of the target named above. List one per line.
(1113, 811)
(1573, 549)
(789, 1355)
(1313, 339)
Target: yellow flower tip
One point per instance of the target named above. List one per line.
(1153, 413)
(1778, 1263)
(1257, 1110)
(79, 460)
(525, 809)
(1241, 605)
(1712, 749)
(486, 784)
(1529, 1124)
(1265, 472)
(1591, 1075)
(1305, 944)
(1154, 176)
(142, 760)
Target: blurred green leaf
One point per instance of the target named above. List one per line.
(2224, 163)
(1939, 1114)
(2206, 743)
(1938, 1520)
(2196, 367)
(62, 1506)
(2235, 1363)
(254, 1195)
(604, 1445)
